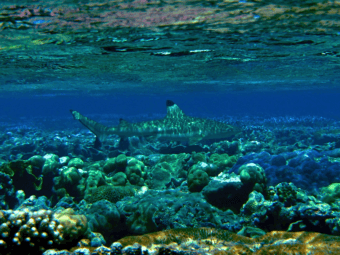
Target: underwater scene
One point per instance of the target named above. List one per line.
(165, 127)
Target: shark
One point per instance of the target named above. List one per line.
(175, 126)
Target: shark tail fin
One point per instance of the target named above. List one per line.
(96, 128)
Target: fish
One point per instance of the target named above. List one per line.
(175, 126)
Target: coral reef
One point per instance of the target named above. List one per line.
(105, 194)
(159, 210)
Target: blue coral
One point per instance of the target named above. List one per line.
(303, 169)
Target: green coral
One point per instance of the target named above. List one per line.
(135, 171)
(95, 179)
(95, 166)
(64, 160)
(51, 164)
(120, 170)
(121, 162)
(159, 176)
(110, 193)
(70, 176)
(119, 179)
(176, 163)
(169, 166)
(197, 180)
(222, 162)
(109, 165)
(331, 193)
(37, 161)
(117, 164)
(199, 157)
(210, 169)
(253, 175)
(66, 184)
(76, 162)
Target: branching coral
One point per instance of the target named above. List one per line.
(36, 231)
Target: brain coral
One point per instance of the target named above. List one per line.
(197, 180)
(110, 193)
(119, 179)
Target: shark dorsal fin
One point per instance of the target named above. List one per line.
(123, 122)
(173, 111)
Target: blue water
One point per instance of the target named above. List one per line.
(320, 103)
